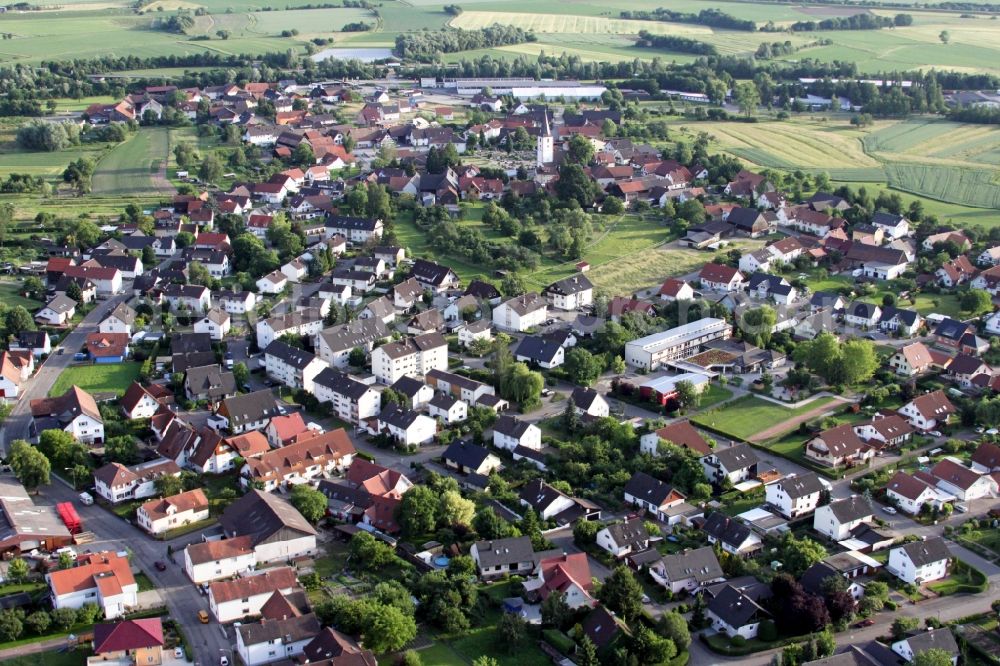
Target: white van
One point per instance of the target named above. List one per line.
(86, 499)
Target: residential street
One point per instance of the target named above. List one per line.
(180, 594)
(18, 423)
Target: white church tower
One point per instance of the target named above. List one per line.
(545, 144)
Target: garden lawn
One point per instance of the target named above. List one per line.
(713, 395)
(9, 294)
(55, 658)
(743, 418)
(110, 378)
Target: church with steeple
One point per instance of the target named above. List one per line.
(545, 143)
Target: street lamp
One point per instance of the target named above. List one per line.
(71, 470)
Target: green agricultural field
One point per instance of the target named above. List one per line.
(113, 377)
(10, 295)
(568, 23)
(135, 166)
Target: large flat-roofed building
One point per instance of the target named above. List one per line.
(525, 88)
(657, 349)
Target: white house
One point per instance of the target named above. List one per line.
(57, 311)
(910, 493)
(193, 297)
(448, 409)
(570, 293)
(75, 411)
(733, 613)
(103, 578)
(928, 411)
(243, 597)
(732, 535)
(412, 357)
(520, 313)
(836, 520)
(795, 495)
(734, 464)
(279, 636)
(272, 283)
(652, 495)
(478, 330)
(624, 538)
(509, 432)
(500, 557)
(407, 427)
(216, 323)
(919, 562)
(590, 402)
(161, 515)
(720, 277)
(277, 531)
(236, 302)
(688, 571)
(117, 483)
(350, 400)
(293, 367)
(206, 561)
(295, 270)
(933, 639)
(121, 320)
(963, 482)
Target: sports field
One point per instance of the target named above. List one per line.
(744, 418)
(135, 166)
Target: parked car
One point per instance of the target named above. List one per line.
(867, 622)
(203, 617)
(160, 565)
(889, 510)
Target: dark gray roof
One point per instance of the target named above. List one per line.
(182, 343)
(629, 533)
(265, 517)
(357, 333)
(927, 552)
(345, 222)
(812, 579)
(574, 284)
(408, 386)
(399, 418)
(735, 608)
(934, 639)
(862, 309)
(584, 398)
(736, 457)
(648, 489)
(538, 349)
(511, 426)
(210, 380)
(293, 356)
(250, 407)
(851, 508)
(342, 384)
(504, 551)
(700, 564)
(290, 630)
(824, 299)
(800, 485)
(466, 454)
(429, 272)
(908, 317)
(854, 656)
(726, 529)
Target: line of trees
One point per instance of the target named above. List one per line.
(709, 17)
(675, 43)
(976, 114)
(854, 22)
(427, 46)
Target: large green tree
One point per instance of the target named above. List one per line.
(311, 503)
(418, 511)
(30, 465)
(622, 594)
(583, 367)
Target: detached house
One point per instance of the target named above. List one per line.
(719, 277)
(570, 293)
(733, 536)
(521, 313)
(733, 613)
(433, 276)
(932, 639)
(688, 571)
(920, 562)
(350, 400)
(912, 359)
(929, 411)
(250, 411)
(911, 492)
(75, 411)
(502, 557)
(654, 496)
(277, 531)
(102, 578)
(510, 432)
(242, 598)
(624, 538)
(293, 367)
(734, 464)
(796, 495)
(839, 446)
(161, 515)
(837, 519)
(963, 482)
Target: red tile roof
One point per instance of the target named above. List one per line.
(128, 635)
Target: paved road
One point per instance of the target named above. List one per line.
(178, 592)
(18, 423)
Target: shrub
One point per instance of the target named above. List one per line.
(738, 641)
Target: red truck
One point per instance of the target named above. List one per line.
(67, 513)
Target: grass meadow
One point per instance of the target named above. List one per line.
(744, 418)
(109, 378)
(133, 166)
